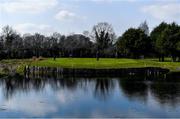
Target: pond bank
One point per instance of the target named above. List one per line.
(36, 71)
(91, 63)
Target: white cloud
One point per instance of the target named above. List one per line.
(65, 15)
(33, 28)
(163, 12)
(27, 6)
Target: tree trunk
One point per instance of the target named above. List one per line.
(162, 57)
(159, 58)
(97, 55)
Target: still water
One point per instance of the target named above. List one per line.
(122, 96)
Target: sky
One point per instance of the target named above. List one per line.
(76, 16)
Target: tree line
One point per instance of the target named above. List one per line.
(163, 41)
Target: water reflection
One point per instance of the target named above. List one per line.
(103, 88)
(166, 93)
(163, 90)
(134, 89)
(73, 96)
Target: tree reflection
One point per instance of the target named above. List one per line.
(13, 85)
(9, 89)
(166, 92)
(69, 83)
(103, 88)
(134, 89)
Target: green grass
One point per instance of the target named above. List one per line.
(107, 63)
(103, 63)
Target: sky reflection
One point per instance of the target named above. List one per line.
(88, 97)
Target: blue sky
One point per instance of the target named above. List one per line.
(75, 16)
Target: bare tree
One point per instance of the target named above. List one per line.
(38, 44)
(86, 33)
(77, 45)
(103, 34)
(8, 35)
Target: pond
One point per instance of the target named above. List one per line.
(57, 95)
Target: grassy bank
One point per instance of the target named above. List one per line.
(13, 65)
(106, 63)
(103, 63)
